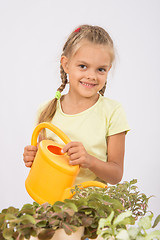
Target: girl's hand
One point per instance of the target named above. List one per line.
(78, 154)
(29, 155)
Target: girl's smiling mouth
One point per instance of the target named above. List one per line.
(89, 85)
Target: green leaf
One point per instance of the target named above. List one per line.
(116, 204)
(2, 218)
(106, 221)
(25, 230)
(25, 219)
(28, 209)
(157, 220)
(46, 234)
(133, 232)
(140, 238)
(145, 222)
(134, 181)
(87, 221)
(123, 234)
(127, 221)
(71, 206)
(42, 224)
(27, 206)
(54, 222)
(102, 224)
(57, 207)
(36, 205)
(4, 210)
(69, 229)
(109, 218)
(105, 233)
(7, 233)
(12, 210)
(9, 216)
(153, 235)
(81, 202)
(121, 217)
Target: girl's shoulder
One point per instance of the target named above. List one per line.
(115, 116)
(112, 109)
(109, 104)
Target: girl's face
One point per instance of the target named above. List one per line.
(87, 69)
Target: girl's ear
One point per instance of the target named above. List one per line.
(64, 62)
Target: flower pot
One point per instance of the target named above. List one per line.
(61, 235)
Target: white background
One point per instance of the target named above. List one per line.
(32, 34)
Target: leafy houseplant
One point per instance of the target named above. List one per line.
(118, 228)
(105, 212)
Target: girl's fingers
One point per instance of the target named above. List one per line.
(72, 151)
(30, 151)
(29, 154)
(75, 162)
(30, 148)
(70, 145)
(28, 159)
(28, 164)
(76, 153)
(74, 156)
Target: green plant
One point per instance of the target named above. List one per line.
(70, 214)
(127, 193)
(91, 207)
(132, 199)
(119, 227)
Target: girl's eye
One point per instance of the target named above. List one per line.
(82, 66)
(102, 70)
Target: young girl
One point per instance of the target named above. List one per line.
(96, 125)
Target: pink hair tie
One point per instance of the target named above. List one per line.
(77, 30)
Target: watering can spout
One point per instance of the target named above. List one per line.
(69, 192)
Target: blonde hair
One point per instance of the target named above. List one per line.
(93, 34)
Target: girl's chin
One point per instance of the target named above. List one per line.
(88, 94)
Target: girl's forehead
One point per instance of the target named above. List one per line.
(87, 45)
(87, 50)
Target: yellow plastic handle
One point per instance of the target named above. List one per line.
(51, 127)
(68, 194)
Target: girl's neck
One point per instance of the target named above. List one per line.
(73, 105)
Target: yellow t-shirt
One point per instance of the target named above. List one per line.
(91, 127)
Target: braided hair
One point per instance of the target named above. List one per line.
(94, 34)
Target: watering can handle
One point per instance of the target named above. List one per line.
(51, 127)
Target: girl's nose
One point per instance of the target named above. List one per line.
(91, 75)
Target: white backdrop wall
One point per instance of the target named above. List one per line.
(32, 34)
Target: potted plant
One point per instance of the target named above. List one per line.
(92, 212)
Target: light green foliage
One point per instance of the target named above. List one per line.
(121, 229)
(110, 213)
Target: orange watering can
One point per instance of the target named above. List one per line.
(51, 177)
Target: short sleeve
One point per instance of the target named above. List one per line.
(118, 122)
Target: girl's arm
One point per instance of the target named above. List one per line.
(110, 171)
